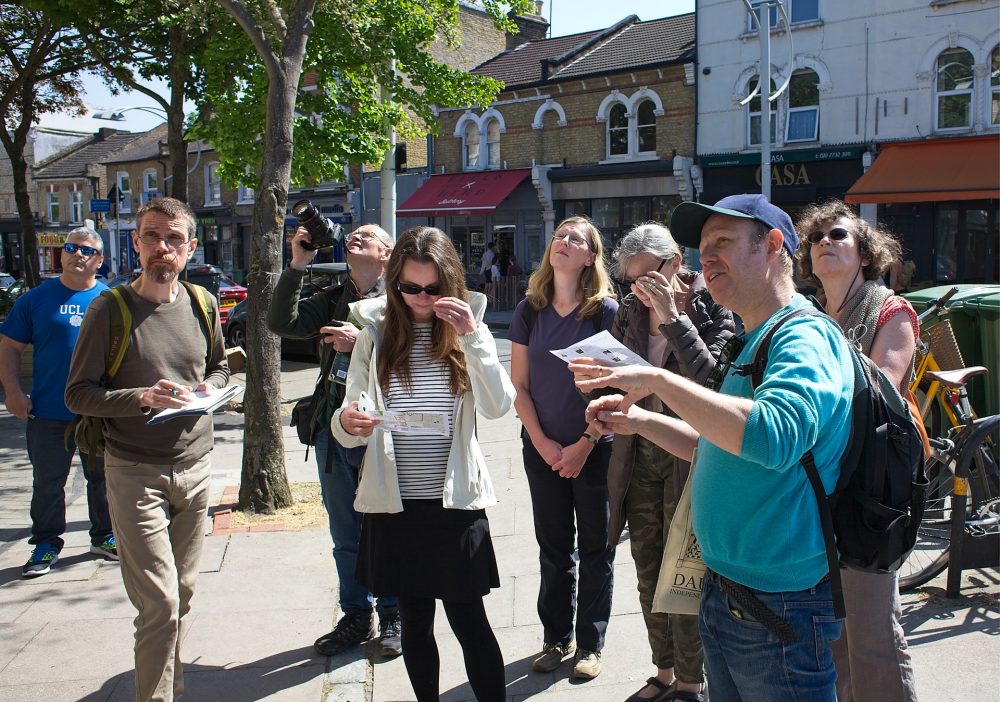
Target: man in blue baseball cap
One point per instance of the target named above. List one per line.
(766, 610)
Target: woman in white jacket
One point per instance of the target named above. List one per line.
(425, 535)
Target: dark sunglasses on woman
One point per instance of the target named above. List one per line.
(412, 289)
(835, 234)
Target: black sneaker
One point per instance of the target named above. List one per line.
(355, 627)
(389, 630)
(42, 559)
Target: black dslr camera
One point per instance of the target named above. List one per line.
(322, 231)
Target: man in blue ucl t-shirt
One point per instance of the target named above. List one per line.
(49, 317)
(766, 616)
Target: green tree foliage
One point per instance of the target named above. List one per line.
(343, 120)
(137, 41)
(40, 63)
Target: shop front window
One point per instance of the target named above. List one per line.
(607, 218)
(945, 245)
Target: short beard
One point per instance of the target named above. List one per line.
(162, 274)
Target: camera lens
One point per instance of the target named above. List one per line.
(303, 209)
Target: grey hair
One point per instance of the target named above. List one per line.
(89, 233)
(648, 237)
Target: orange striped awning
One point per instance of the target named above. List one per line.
(932, 171)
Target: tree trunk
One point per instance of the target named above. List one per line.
(14, 142)
(264, 485)
(178, 75)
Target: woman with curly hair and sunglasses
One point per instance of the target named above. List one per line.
(846, 257)
(425, 535)
(568, 299)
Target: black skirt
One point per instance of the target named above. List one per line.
(427, 551)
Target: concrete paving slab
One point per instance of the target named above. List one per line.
(56, 653)
(353, 692)
(102, 597)
(284, 551)
(88, 690)
(267, 639)
(16, 637)
(216, 592)
(213, 551)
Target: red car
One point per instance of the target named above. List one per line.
(228, 290)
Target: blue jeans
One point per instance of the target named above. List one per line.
(747, 663)
(51, 461)
(338, 488)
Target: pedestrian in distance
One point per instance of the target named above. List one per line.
(845, 257)
(49, 317)
(425, 535)
(767, 616)
(326, 314)
(158, 475)
(670, 319)
(566, 461)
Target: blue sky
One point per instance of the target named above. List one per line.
(566, 16)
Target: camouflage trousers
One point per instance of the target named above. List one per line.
(650, 504)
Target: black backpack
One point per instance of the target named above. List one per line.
(871, 517)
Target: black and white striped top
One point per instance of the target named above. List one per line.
(421, 460)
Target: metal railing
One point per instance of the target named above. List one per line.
(504, 294)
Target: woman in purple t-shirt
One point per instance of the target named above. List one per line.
(568, 299)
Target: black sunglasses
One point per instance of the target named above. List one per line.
(71, 248)
(730, 352)
(835, 234)
(412, 289)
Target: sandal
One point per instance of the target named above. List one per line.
(661, 691)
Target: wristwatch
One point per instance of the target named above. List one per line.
(590, 438)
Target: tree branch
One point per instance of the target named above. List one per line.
(124, 75)
(256, 34)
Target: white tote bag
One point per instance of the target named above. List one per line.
(678, 589)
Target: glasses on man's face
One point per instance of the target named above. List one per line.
(574, 239)
(835, 234)
(173, 242)
(366, 236)
(413, 289)
(730, 352)
(71, 248)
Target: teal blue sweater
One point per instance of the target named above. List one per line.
(755, 514)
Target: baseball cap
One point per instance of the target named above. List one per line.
(689, 217)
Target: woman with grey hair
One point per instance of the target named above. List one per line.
(670, 320)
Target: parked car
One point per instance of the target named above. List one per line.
(212, 278)
(6, 280)
(320, 276)
(9, 295)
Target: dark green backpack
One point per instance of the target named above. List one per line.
(88, 432)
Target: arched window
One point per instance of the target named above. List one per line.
(646, 126)
(618, 131)
(470, 142)
(995, 86)
(802, 123)
(124, 192)
(954, 89)
(753, 115)
(493, 143)
(213, 186)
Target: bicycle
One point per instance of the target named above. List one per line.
(962, 506)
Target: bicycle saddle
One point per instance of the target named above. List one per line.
(956, 378)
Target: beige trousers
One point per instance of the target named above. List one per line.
(158, 514)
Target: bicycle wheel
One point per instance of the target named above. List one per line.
(930, 555)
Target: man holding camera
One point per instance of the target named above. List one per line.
(325, 313)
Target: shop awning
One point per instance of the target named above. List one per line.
(468, 193)
(932, 171)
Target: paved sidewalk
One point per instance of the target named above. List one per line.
(263, 597)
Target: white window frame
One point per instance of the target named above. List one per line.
(634, 125)
(124, 193)
(52, 206)
(968, 92)
(750, 115)
(75, 204)
(994, 88)
(245, 195)
(631, 104)
(213, 184)
(801, 110)
(492, 132)
(150, 178)
(612, 128)
(790, 6)
(471, 144)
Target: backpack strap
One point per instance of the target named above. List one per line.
(120, 330)
(200, 301)
(755, 369)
